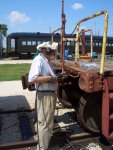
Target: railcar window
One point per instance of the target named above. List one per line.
(12, 44)
(87, 42)
(112, 44)
(96, 44)
(33, 42)
(23, 42)
(28, 42)
(100, 44)
(72, 43)
(109, 44)
(68, 43)
(39, 42)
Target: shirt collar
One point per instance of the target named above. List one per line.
(44, 57)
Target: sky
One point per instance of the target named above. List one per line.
(45, 15)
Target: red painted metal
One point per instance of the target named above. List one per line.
(62, 35)
(107, 112)
(83, 43)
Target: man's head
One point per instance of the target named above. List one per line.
(48, 48)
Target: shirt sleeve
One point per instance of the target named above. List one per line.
(35, 70)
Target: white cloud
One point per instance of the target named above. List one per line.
(77, 6)
(16, 17)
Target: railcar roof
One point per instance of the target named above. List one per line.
(29, 34)
(38, 34)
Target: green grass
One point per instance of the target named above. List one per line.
(9, 72)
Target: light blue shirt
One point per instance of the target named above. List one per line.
(42, 67)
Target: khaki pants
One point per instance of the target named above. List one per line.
(46, 102)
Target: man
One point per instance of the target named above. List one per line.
(41, 73)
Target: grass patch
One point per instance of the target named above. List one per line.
(9, 72)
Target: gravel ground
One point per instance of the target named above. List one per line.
(13, 96)
(14, 61)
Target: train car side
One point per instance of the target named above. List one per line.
(20, 43)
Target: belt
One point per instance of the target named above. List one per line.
(46, 91)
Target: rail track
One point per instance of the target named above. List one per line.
(67, 134)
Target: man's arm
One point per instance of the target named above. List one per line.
(43, 79)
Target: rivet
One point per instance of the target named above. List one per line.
(91, 82)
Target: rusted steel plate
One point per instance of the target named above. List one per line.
(89, 79)
(110, 82)
(90, 82)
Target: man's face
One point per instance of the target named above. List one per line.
(54, 52)
(49, 52)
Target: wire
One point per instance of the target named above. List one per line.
(10, 126)
(74, 76)
(73, 30)
(69, 145)
(74, 146)
(14, 124)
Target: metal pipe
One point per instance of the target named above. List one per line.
(52, 34)
(77, 43)
(80, 136)
(91, 40)
(104, 37)
(19, 144)
(104, 43)
(62, 34)
(82, 38)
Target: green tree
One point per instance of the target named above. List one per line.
(3, 29)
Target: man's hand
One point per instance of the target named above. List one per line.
(54, 79)
(60, 75)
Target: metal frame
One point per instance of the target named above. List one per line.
(91, 39)
(104, 37)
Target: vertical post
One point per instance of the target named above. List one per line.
(91, 39)
(83, 43)
(52, 34)
(62, 35)
(77, 44)
(104, 43)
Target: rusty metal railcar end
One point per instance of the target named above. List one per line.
(83, 87)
